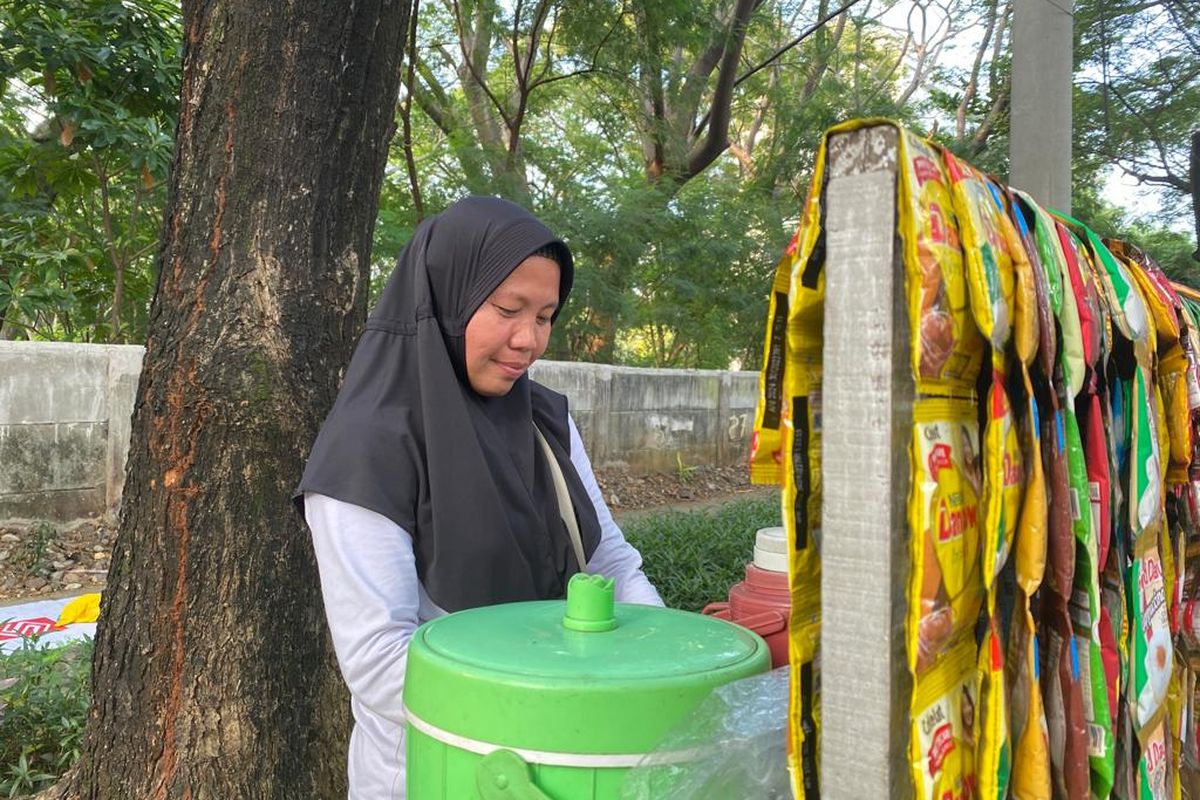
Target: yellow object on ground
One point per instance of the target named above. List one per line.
(85, 608)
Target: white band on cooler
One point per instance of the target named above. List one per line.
(554, 759)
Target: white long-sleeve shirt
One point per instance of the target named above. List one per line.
(374, 602)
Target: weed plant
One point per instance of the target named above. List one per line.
(44, 694)
(693, 557)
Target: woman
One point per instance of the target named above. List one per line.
(430, 488)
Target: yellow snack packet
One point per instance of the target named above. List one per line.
(1033, 524)
(1025, 302)
(1030, 734)
(986, 250)
(1003, 480)
(942, 744)
(795, 318)
(993, 754)
(945, 346)
(804, 709)
(945, 586)
(1173, 383)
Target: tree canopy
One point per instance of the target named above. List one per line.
(669, 142)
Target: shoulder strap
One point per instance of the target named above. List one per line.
(565, 509)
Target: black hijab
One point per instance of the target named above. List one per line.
(410, 439)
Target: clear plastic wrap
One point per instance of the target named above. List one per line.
(737, 740)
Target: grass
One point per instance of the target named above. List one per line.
(693, 557)
(44, 694)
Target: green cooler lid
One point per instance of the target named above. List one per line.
(581, 676)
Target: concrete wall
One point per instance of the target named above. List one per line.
(65, 420)
(64, 427)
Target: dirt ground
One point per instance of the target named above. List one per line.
(44, 559)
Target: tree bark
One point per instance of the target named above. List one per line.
(213, 675)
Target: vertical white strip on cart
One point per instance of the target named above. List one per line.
(867, 410)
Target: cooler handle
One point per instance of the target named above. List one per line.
(764, 623)
(718, 610)
(504, 775)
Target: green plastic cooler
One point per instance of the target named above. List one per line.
(558, 700)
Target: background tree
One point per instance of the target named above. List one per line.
(670, 142)
(213, 677)
(90, 91)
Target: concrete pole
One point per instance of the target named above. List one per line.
(1042, 69)
(867, 409)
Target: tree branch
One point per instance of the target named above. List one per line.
(1195, 175)
(478, 42)
(406, 112)
(714, 143)
(782, 50)
(960, 115)
(803, 35)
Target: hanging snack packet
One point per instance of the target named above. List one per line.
(993, 753)
(1064, 709)
(942, 746)
(800, 306)
(1027, 308)
(987, 237)
(1153, 782)
(1173, 364)
(985, 248)
(1189, 317)
(1022, 211)
(1031, 756)
(1077, 275)
(1150, 652)
(805, 709)
(1156, 291)
(1096, 454)
(946, 347)
(1123, 299)
(1145, 475)
(1085, 618)
(1060, 542)
(1074, 360)
(1003, 481)
(1174, 729)
(1048, 251)
(1033, 523)
(945, 587)
(1173, 381)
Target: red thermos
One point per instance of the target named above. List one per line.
(762, 602)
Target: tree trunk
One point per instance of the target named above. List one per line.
(213, 675)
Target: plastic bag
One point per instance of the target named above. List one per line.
(739, 734)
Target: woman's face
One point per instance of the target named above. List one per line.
(509, 331)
